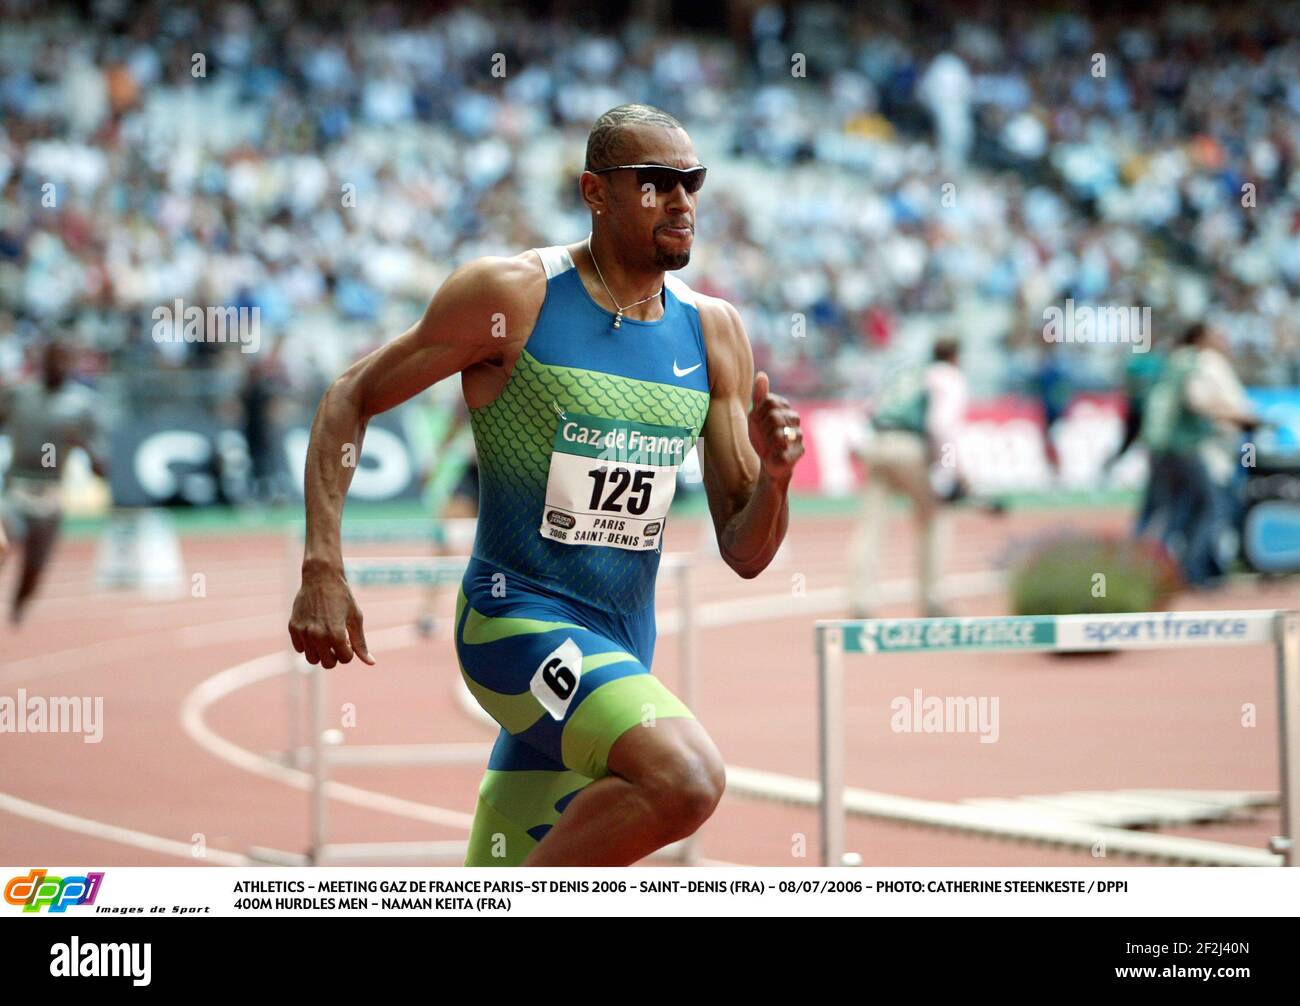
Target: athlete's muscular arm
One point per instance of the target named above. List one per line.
(90, 437)
(476, 315)
(747, 459)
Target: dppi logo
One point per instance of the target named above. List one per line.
(36, 891)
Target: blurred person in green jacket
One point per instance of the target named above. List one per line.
(916, 423)
(1194, 416)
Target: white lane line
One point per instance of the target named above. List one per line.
(258, 669)
(112, 833)
(724, 612)
(250, 672)
(730, 612)
(106, 652)
(75, 658)
(766, 607)
(204, 634)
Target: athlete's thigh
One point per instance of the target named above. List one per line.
(888, 459)
(42, 534)
(564, 689)
(15, 521)
(640, 754)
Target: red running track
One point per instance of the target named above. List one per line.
(148, 793)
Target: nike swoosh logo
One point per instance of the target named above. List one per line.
(683, 373)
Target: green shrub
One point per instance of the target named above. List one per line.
(1092, 574)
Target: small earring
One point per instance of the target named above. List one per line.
(598, 213)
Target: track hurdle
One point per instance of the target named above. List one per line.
(455, 532)
(834, 638)
(327, 750)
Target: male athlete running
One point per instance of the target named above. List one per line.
(589, 375)
(44, 417)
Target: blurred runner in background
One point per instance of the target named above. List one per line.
(916, 425)
(44, 418)
(1054, 385)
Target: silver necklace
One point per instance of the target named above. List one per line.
(618, 317)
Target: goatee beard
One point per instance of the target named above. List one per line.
(672, 260)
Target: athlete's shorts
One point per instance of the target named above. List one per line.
(564, 680)
(31, 511)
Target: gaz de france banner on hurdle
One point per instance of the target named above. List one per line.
(1059, 632)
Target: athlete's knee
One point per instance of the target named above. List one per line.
(688, 796)
(680, 774)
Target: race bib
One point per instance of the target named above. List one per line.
(555, 682)
(611, 481)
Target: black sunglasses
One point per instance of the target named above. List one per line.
(661, 176)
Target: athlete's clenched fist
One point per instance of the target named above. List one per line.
(774, 430)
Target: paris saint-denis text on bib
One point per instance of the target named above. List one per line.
(611, 481)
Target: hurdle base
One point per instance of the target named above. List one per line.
(409, 754)
(354, 852)
(262, 856)
(339, 853)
